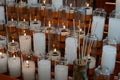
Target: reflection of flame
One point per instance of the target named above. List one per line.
(27, 62)
(70, 4)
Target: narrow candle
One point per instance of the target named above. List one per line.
(39, 43)
(44, 70)
(61, 72)
(57, 4)
(14, 66)
(28, 70)
(25, 42)
(71, 49)
(109, 57)
(98, 24)
(3, 62)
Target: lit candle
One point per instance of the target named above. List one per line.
(98, 24)
(88, 9)
(14, 66)
(57, 4)
(2, 15)
(35, 24)
(64, 31)
(61, 72)
(39, 43)
(109, 57)
(43, 6)
(44, 70)
(3, 62)
(28, 70)
(71, 49)
(114, 29)
(25, 42)
(54, 55)
(49, 29)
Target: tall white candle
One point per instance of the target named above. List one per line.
(114, 29)
(61, 72)
(28, 70)
(98, 26)
(109, 57)
(39, 42)
(71, 49)
(57, 4)
(25, 42)
(2, 15)
(44, 70)
(117, 6)
(3, 62)
(14, 66)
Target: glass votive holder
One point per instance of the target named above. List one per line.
(80, 67)
(102, 73)
(61, 69)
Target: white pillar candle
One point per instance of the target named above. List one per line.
(44, 70)
(114, 29)
(89, 10)
(39, 42)
(32, 2)
(109, 57)
(28, 70)
(98, 26)
(92, 62)
(2, 15)
(14, 66)
(57, 4)
(25, 42)
(35, 25)
(71, 49)
(61, 72)
(3, 62)
(117, 6)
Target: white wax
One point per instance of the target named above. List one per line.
(109, 57)
(3, 63)
(89, 10)
(117, 6)
(25, 42)
(44, 70)
(39, 43)
(28, 70)
(92, 62)
(3, 40)
(71, 49)
(2, 15)
(14, 66)
(114, 29)
(98, 26)
(64, 32)
(35, 25)
(61, 72)
(57, 4)
(32, 1)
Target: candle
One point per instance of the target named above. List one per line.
(64, 31)
(28, 70)
(117, 6)
(57, 4)
(44, 70)
(14, 66)
(98, 26)
(3, 62)
(61, 72)
(109, 57)
(89, 9)
(25, 42)
(71, 49)
(32, 2)
(54, 55)
(92, 62)
(39, 43)
(35, 25)
(3, 40)
(114, 29)
(2, 15)
(49, 29)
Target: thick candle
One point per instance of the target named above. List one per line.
(28, 70)
(71, 49)
(39, 42)
(109, 57)
(3, 62)
(25, 42)
(14, 66)
(57, 4)
(61, 72)
(44, 70)
(98, 26)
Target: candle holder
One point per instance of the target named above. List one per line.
(109, 49)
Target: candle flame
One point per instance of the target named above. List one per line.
(55, 50)
(70, 4)
(24, 34)
(24, 20)
(12, 19)
(27, 62)
(35, 19)
(49, 24)
(13, 56)
(0, 53)
(87, 4)
(13, 41)
(44, 1)
(64, 27)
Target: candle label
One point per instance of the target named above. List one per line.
(2, 15)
